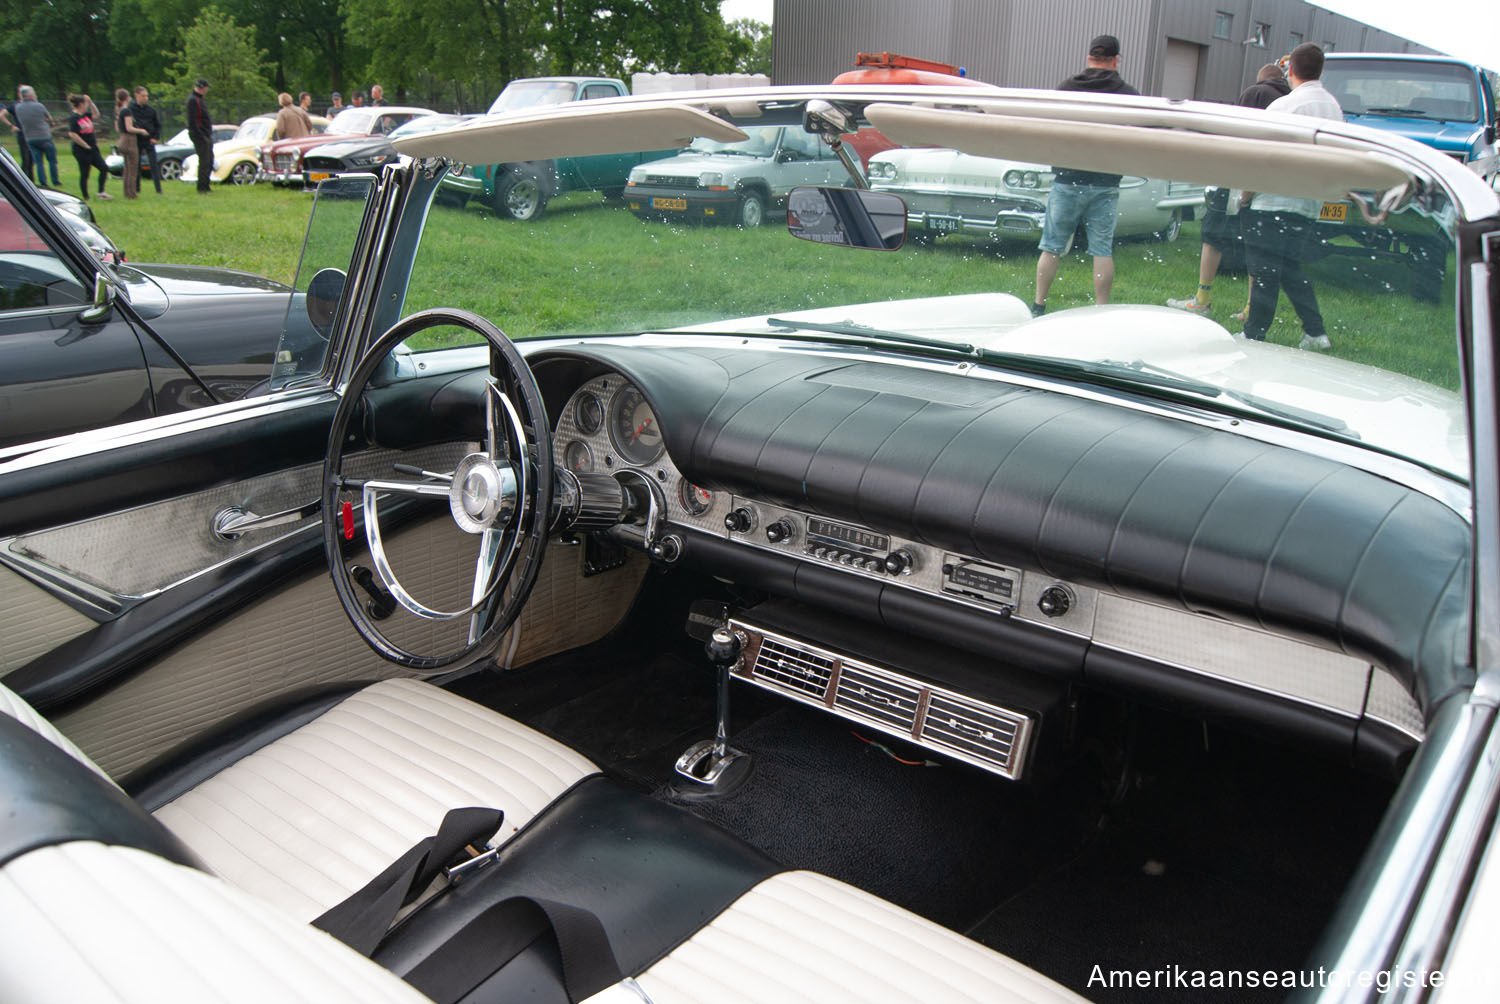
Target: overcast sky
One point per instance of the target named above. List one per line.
(1466, 28)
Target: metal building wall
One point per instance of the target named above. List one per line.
(1036, 43)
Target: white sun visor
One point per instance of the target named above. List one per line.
(1299, 169)
(586, 129)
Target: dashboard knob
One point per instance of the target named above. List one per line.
(741, 520)
(1055, 600)
(899, 561)
(780, 530)
(845, 558)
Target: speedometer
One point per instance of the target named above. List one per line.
(633, 428)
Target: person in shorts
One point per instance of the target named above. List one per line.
(1086, 197)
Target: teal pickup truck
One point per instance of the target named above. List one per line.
(521, 191)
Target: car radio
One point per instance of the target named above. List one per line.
(994, 585)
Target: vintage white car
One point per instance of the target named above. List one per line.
(682, 613)
(950, 192)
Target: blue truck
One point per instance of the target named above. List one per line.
(1447, 104)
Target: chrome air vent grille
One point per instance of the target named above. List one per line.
(793, 668)
(974, 729)
(880, 699)
(958, 726)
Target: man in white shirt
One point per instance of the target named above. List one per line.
(1278, 228)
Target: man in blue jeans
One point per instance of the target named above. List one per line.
(36, 125)
(1084, 196)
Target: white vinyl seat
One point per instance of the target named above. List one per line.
(310, 818)
(803, 938)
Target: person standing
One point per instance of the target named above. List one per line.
(147, 122)
(291, 121)
(201, 130)
(377, 96)
(1279, 228)
(359, 99)
(83, 131)
(8, 113)
(1087, 196)
(1217, 231)
(337, 106)
(36, 125)
(130, 143)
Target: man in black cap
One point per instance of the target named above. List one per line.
(201, 130)
(1084, 196)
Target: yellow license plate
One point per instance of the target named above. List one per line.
(319, 176)
(1335, 212)
(661, 202)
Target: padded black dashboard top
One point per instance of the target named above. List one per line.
(1092, 493)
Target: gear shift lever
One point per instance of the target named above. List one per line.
(713, 766)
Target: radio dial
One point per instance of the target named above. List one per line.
(1055, 601)
(780, 530)
(900, 561)
(741, 520)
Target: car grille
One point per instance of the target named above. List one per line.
(284, 162)
(983, 734)
(323, 164)
(670, 180)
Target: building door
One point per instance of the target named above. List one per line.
(1179, 77)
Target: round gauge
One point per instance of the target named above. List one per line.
(633, 428)
(588, 413)
(578, 458)
(695, 501)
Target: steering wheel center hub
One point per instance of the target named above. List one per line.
(483, 495)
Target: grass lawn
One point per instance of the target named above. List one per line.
(588, 266)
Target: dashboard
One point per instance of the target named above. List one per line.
(1026, 619)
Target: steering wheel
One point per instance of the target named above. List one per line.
(502, 493)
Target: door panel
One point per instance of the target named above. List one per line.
(32, 621)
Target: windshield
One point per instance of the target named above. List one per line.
(1403, 88)
(352, 122)
(762, 143)
(1308, 314)
(533, 94)
(256, 128)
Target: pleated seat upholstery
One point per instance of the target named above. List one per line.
(308, 819)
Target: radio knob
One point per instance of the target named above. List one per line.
(846, 558)
(741, 520)
(900, 561)
(1055, 600)
(780, 530)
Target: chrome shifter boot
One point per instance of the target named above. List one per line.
(713, 767)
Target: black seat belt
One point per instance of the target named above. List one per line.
(502, 932)
(363, 919)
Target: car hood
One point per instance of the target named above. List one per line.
(952, 167)
(306, 142)
(153, 287)
(1449, 137)
(236, 146)
(354, 146)
(690, 165)
(1386, 410)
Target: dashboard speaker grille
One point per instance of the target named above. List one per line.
(956, 725)
(792, 668)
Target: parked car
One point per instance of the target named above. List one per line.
(70, 205)
(949, 192)
(237, 159)
(89, 341)
(1448, 104)
(1098, 654)
(281, 160)
(371, 153)
(741, 181)
(170, 154)
(521, 190)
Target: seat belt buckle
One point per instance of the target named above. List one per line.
(457, 872)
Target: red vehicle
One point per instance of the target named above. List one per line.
(890, 68)
(281, 161)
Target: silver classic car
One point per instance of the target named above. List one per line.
(590, 610)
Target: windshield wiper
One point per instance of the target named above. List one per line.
(1289, 412)
(1391, 110)
(861, 331)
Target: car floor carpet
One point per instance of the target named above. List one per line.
(943, 841)
(1225, 860)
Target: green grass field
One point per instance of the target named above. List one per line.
(589, 266)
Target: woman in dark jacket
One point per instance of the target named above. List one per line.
(83, 130)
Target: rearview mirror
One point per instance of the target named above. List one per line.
(850, 216)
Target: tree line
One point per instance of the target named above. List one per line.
(446, 54)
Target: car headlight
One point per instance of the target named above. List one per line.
(882, 170)
(636, 176)
(711, 179)
(367, 161)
